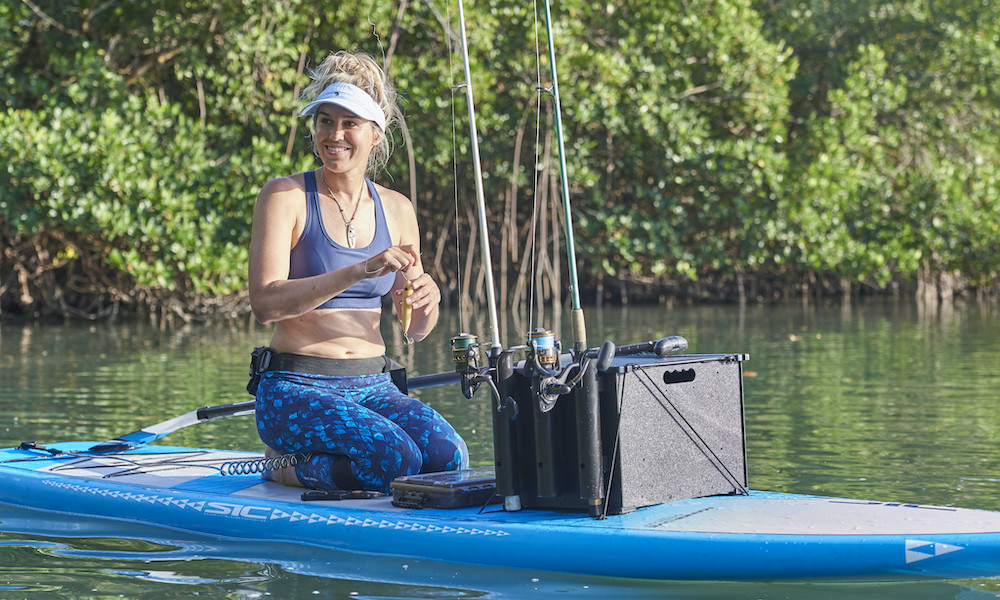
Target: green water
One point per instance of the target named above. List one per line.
(873, 401)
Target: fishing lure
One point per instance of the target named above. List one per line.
(406, 311)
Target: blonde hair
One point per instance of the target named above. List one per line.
(360, 69)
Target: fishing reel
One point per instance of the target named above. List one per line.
(543, 359)
(542, 353)
(465, 355)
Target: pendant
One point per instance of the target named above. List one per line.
(351, 238)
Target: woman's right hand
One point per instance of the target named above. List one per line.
(391, 260)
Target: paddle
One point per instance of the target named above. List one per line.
(152, 433)
(208, 413)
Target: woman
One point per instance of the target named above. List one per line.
(326, 245)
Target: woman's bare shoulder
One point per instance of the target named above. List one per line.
(400, 216)
(393, 200)
(290, 186)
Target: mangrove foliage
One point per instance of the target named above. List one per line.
(716, 149)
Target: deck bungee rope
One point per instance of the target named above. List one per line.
(260, 465)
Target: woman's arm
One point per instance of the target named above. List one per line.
(278, 218)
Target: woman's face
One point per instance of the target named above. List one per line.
(344, 140)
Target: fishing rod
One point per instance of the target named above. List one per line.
(579, 323)
(551, 374)
(541, 345)
(480, 195)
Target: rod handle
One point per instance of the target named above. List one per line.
(662, 347)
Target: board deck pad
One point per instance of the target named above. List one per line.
(199, 470)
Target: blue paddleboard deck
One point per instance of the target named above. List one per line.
(762, 535)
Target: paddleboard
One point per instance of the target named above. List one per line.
(758, 536)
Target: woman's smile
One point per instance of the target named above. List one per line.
(336, 148)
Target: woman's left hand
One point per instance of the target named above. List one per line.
(426, 294)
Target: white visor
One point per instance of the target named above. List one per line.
(351, 98)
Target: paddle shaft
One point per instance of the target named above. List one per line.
(208, 413)
(418, 382)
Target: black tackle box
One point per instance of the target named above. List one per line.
(446, 489)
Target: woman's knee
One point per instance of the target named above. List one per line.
(445, 452)
(408, 458)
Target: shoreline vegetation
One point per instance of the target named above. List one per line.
(71, 290)
(747, 151)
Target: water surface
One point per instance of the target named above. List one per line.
(876, 401)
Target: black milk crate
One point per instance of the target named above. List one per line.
(670, 428)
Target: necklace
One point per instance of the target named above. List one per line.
(348, 223)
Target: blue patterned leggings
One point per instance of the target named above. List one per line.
(363, 432)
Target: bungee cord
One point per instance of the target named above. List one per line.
(259, 465)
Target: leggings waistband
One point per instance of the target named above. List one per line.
(336, 367)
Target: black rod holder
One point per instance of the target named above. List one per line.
(504, 440)
(588, 436)
(544, 445)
